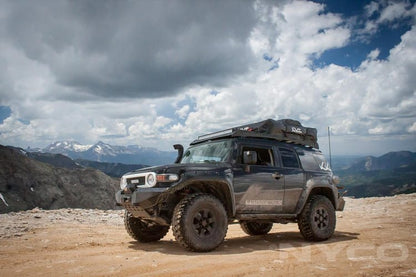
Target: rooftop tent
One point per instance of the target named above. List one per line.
(283, 130)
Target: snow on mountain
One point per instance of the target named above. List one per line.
(103, 152)
(65, 146)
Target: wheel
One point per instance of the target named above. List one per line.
(143, 231)
(199, 222)
(253, 228)
(317, 220)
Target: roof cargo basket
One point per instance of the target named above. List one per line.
(283, 130)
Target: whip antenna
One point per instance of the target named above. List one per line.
(329, 146)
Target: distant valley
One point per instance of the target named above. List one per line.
(390, 174)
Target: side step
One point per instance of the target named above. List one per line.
(278, 218)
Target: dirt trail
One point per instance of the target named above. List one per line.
(374, 237)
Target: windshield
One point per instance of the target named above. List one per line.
(208, 152)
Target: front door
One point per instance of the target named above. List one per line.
(259, 187)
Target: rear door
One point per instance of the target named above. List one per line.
(294, 178)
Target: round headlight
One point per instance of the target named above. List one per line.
(123, 183)
(151, 179)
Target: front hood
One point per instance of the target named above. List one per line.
(181, 168)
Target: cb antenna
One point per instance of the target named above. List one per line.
(329, 146)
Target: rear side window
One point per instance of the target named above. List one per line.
(289, 158)
(312, 161)
(322, 163)
(308, 161)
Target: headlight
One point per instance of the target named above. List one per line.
(151, 179)
(123, 183)
(335, 180)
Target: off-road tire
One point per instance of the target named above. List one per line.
(317, 220)
(253, 228)
(143, 231)
(199, 222)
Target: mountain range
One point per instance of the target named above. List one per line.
(55, 180)
(103, 152)
(59, 160)
(362, 176)
(387, 161)
(389, 174)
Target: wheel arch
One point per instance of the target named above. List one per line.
(218, 188)
(326, 191)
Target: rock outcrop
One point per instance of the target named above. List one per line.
(26, 183)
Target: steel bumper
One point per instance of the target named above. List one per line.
(140, 195)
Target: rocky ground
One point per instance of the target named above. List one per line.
(374, 237)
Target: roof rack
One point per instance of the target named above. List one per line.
(287, 130)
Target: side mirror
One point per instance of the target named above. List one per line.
(250, 157)
(179, 148)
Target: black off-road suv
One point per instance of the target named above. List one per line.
(259, 174)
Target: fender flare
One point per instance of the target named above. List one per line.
(221, 184)
(321, 189)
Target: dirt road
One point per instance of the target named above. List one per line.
(374, 237)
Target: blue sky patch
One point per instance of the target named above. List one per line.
(356, 52)
(5, 112)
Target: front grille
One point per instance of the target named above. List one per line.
(137, 181)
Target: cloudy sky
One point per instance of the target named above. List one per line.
(155, 73)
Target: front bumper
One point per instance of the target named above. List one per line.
(142, 203)
(140, 197)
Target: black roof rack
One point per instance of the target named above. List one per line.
(287, 130)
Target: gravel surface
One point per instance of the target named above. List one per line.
(373, 237)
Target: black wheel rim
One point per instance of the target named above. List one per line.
(321, 218)
(204, 223)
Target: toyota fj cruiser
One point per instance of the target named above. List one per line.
(259, 174)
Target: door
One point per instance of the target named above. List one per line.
(294, 179)
(258, 186)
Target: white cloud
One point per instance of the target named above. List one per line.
(393, 11)
(378, 98)
(183, 112)
(412, 128)
(385, 12)
(373, 54)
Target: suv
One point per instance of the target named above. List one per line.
(259, 174)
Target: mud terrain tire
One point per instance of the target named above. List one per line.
(143, 231)
(199, 222)
(253, 228)
(317, 220)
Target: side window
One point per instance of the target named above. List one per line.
(308, 161)
(321, 161)
(289, 158)
(264, 155)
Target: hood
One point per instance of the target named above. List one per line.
(181, 168)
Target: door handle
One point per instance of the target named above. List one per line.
(277, 175)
